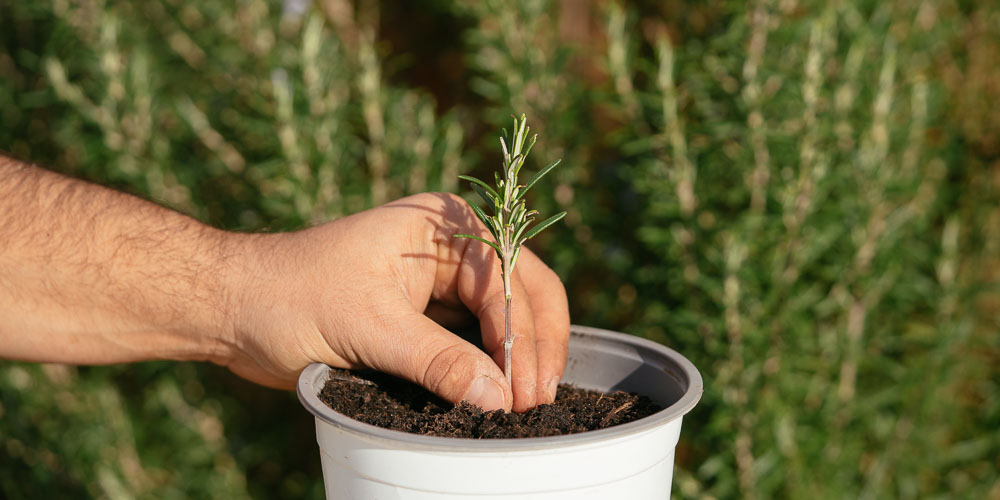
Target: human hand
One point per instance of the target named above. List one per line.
(376, 290)
(103, 277)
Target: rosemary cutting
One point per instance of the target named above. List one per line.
(509, 221)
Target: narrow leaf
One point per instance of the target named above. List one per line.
(538, 176)
(481, 183)
(503, 145)
(542, 225)
(513, 260)
(489, 199)
(474, 237)
(485, 218)
(531, 144)
(518, 214)
(521, 132)
(520, 231)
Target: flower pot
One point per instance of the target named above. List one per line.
(633, 460)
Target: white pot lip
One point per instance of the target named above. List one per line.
(311, 378)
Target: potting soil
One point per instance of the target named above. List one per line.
(386, 401)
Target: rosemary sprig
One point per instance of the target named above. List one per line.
(509, 220)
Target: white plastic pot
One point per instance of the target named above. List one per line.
(633, 460)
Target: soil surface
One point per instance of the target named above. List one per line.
(386, 401)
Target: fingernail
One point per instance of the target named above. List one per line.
(552, 386)
(485, 393)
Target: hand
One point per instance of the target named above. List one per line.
(376, 290)
(104, 277)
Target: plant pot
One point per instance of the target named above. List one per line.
(633, 460)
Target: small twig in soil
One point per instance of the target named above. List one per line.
(352, 379)
(614, 412)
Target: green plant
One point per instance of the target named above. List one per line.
(510, 220)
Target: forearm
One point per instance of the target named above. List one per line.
(90, 275)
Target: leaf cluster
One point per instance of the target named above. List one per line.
(509, 221)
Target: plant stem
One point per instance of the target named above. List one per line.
(507, 246)
(508, 338)
(508, 342)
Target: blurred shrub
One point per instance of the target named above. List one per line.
(799, 196)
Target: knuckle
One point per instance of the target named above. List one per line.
(446, 370)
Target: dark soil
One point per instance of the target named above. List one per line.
(385, 401)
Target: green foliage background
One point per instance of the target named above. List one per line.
(800, 196)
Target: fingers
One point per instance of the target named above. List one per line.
(551, 321)
(466, 274)
(524, 364)
(470, 272)
(415, 348)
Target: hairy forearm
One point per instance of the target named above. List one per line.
(90, 275)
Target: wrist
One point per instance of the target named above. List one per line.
(237, 266)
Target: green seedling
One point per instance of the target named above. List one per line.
(509, 221)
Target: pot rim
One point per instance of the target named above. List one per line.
(312, 377)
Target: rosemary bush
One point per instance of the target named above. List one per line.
(800, 196)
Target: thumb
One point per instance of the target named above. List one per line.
(423, 352)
